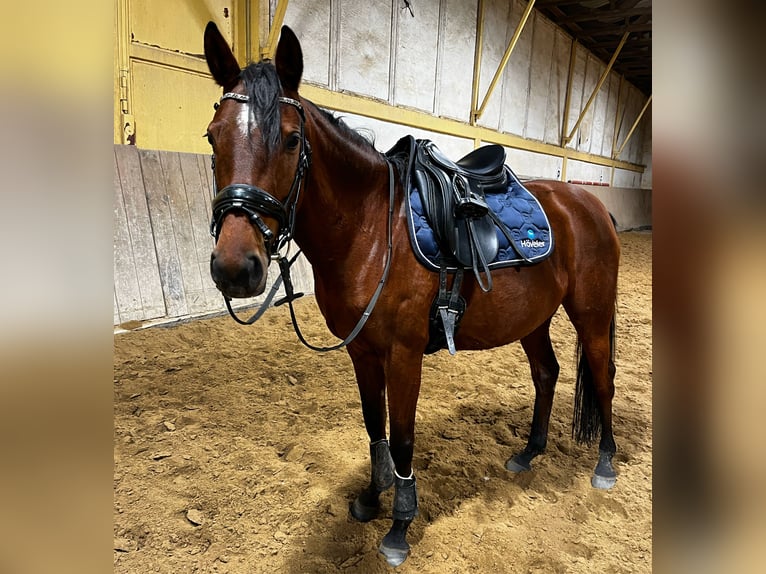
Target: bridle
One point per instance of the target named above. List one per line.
(255, 202)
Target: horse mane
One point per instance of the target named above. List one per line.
(262, 85)
(355, 135)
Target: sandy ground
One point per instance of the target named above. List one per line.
(238, 450)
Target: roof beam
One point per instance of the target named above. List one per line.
(603, 15)
(476, 113)
(597, 88)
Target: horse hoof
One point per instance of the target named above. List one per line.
(394, 556)
(363, 513)
(603, 482)
(515, 466)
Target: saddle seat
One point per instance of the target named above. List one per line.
(486, 161)
(453, 195)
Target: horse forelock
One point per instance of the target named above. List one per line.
(262, 86)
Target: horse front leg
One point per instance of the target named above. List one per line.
(372, 391)
(402, 374)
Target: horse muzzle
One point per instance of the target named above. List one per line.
(238, 277)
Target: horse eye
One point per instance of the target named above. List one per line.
(209, 139)
(292, 141)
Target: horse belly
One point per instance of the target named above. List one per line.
(514, 308)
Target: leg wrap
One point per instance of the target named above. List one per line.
(405, 499)
(382, 466)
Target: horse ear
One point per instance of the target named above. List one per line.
(289, 60)
(220, 59)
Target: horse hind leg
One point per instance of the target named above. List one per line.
(545, 372)
(594, 392)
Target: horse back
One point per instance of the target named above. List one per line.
(583, 265)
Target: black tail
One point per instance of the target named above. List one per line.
(586, 423)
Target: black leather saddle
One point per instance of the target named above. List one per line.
(453, 195)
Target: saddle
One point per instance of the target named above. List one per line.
(469, 214)
(453, 197)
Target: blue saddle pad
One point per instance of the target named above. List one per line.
(517, 208)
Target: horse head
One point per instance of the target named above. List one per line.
(260, 157)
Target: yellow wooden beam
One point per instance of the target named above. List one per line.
(276, 25)
(568, 96)
(478, 46)
(125, 124)
(597, 88)
(633, 128)
(617, 116)
(383, 111)
(476, 113)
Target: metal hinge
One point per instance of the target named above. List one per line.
(127, 121)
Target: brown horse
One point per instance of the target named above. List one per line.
(347, 215)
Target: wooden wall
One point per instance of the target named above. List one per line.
(162, 242)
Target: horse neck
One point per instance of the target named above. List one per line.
(346, 193)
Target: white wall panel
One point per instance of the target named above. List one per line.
(495, 35)
(613, 82)
(515, 86)
(599, 116)
(541, 63)
(557, 87)
(310, 20)
(584, 171)
(364, 47)
(456, 63)
(425, 62)
(593, 70)
(531, 165)
(416, 54)
(576, 101)
(387, 134)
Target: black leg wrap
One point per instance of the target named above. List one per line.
(367, 504)
(405, 499)
(382, 466)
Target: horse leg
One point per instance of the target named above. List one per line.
(545, 373)
(594, 393)
(403, 371)
(371, 383)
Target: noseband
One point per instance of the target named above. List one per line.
(256, 202)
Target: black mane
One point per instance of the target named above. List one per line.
(262, 86)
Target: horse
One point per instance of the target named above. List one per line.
(285, 169)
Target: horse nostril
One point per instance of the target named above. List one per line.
(242, 274)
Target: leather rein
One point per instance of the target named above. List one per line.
(256, 202)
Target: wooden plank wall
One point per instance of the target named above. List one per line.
(161, 240)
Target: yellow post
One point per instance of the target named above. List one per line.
(617, 117)
(127, 122)
(632, 129)
(276, 25)
(477, 59)
(568, 97)
(598, 87)
(476, 114)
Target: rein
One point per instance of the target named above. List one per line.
(256, 202)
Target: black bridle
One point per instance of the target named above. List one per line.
(256, 202)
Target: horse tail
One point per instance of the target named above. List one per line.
(586, 423)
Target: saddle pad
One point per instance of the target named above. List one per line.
(517, 208)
